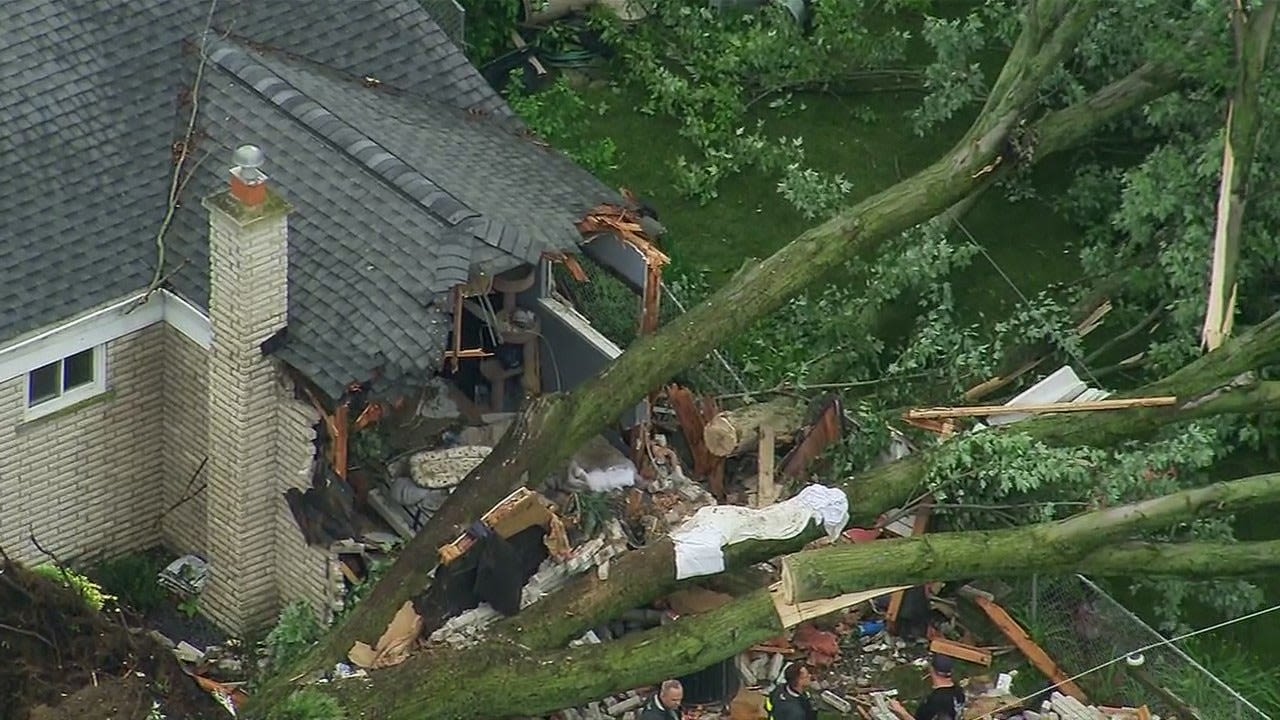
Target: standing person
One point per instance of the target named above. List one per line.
(946, 701)
(789, 701)
(665, 704)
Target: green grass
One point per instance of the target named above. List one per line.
(751, 220)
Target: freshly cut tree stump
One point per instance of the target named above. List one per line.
(737, 431)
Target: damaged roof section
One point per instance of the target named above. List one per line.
(397, 200)
(92, 100)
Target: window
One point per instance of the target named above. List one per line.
(66, 382)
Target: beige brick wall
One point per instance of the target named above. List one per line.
(248, 302)
(186, 441)
(85, 480)
(303, 572)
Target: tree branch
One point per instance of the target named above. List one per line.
(494, 682)
(833, 571)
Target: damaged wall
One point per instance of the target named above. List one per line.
(85, 480)
(186, 429)
(302, 571)
(578, 350)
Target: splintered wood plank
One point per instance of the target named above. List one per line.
(1033, 652)
(766, 491)
(1041, 408)
(960, 651)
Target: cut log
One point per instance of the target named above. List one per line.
(736, 431)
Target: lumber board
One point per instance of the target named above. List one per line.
(1040, 408)
(960, 651)
(1033, 652)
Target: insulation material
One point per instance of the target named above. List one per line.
(600, 467)
(700, 541)
(438, 469)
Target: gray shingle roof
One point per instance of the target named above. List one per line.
(397, 191)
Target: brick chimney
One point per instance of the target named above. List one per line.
(248, 303)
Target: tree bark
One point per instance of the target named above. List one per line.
(497, 680)
(588, 601)
(828, 572)
(1244, 126)
(551, 428)
(1218, 382)
(736, 431)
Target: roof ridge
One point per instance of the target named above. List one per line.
(237, 60)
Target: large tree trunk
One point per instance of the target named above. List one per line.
(1244, 126)
(553, 427)
(588, 601)
(500, 680)
(828, 572)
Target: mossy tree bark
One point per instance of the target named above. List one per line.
(499, 680)
(1218, 383)
(1222, 381)
(551, 428)
(828, 572)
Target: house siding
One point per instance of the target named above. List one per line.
(186, 442)
(84, 480)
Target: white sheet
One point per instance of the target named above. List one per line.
(700, 540)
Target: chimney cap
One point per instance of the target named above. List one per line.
(248, 156)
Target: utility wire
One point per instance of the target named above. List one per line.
(1025, 300)
(1161, 643)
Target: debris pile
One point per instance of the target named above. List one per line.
(66, 659)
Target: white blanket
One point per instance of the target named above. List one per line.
(700, 540)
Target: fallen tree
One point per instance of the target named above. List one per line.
(551, 428)
(1220, 382)
(501, 679)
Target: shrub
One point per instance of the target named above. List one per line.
(132, 579)
(87, 589)
(295, 631)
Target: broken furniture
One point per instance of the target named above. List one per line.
(511, 326)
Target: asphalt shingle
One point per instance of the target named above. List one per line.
(398, 191)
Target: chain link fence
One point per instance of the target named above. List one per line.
(1082, 627)
(614, 309)
(450, 16)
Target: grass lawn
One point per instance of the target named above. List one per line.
(751, 220)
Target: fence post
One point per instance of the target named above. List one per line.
(1035, 598)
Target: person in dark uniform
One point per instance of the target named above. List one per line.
(665, 704)
(790, 701)
(946, 701)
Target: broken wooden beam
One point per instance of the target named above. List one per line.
(960, 651)
(1033, 652)
(766, 490)
(1041, 408)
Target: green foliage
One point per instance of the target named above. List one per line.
(557, 114)
(370, 448)
(190, 606)
(307, 704)
(1251, 676)
(88, 590)
(132, 579)
(377, 569)
(296, 630)
(710, 71)
(489, 26)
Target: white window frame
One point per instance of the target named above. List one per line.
(75, 395)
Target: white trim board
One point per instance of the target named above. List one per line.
(102, 326)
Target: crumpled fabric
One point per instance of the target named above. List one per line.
(700, 540)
